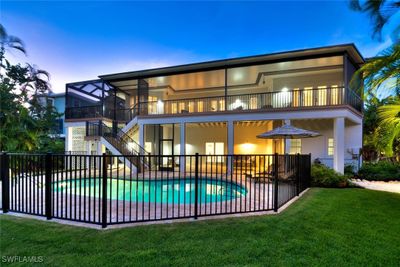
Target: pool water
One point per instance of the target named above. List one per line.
(177, 191)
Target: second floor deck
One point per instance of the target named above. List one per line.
(299, 99)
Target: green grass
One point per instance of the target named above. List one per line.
(334, 227)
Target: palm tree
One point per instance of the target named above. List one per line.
(9, 41)
(383, 71)
(380, 12)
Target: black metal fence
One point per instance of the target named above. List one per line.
(107, 189)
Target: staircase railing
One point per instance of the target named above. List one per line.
(119, 139)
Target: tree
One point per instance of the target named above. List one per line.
(382, 73)
(380, 12)
(25, 119)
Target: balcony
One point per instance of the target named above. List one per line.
(290, 99)
(293, 99)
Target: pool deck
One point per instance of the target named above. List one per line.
(85, 208)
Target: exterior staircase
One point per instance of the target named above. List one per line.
(120, 143)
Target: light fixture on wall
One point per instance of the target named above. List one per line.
(285, 89)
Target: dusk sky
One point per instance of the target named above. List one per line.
(80, 40)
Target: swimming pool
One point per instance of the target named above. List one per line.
(176, 191)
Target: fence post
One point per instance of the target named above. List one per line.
(298, 173)
(5, 178)
(276, 169)
(47, 181)
(104, 195)
(196, 184)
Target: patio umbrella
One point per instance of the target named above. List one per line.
(287, 132)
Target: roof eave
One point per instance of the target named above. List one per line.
(350, 49)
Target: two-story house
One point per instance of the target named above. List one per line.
(219, 107)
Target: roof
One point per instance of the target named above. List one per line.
(56, 94)
(350, 49)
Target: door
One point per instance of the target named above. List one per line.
(167, 153)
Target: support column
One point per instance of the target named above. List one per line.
(231, 140)
(141, 135)
(182, 150)
(68, 143)
(287, 142)
(99, 148)
(338, 148)
(87, 153)
(99, 151)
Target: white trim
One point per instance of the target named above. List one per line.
(275, 115)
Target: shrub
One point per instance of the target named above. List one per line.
(380, 171)
(349, 169)
(324, 176)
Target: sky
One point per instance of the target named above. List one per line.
(80, 40)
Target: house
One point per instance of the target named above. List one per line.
(219, 107)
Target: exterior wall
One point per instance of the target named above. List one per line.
(197, 136)
(246, 142)
(318, 146)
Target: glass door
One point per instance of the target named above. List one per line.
(167, 153)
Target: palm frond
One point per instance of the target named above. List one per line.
(9, 41)
(389, 116)
(380, 12)
(378, 71)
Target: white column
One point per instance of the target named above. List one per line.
(231, 140)
(68, 137)
(141, 135)
(87, 153)
(99, 151)
(287, 142)
(99, 148)
(338, 150)
(182, 160)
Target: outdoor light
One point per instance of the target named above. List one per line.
(285, 89)
(247, 147)
(237, 76)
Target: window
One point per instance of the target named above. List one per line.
(191, 107)
(200, 106)
(148, 146)
(296, 97)
(308, 96)
(334, 95)
(222, 104)
(253, 102)
(214, 105)
(321, 95)
(216, 148)
(331, 144)
(174, 108)
(181, 107)
(295, 146)
(152, 104)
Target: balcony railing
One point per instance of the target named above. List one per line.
(321, 97)
(97, 111)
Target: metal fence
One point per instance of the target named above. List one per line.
(107, 189)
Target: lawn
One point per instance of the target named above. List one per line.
(334, 227)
